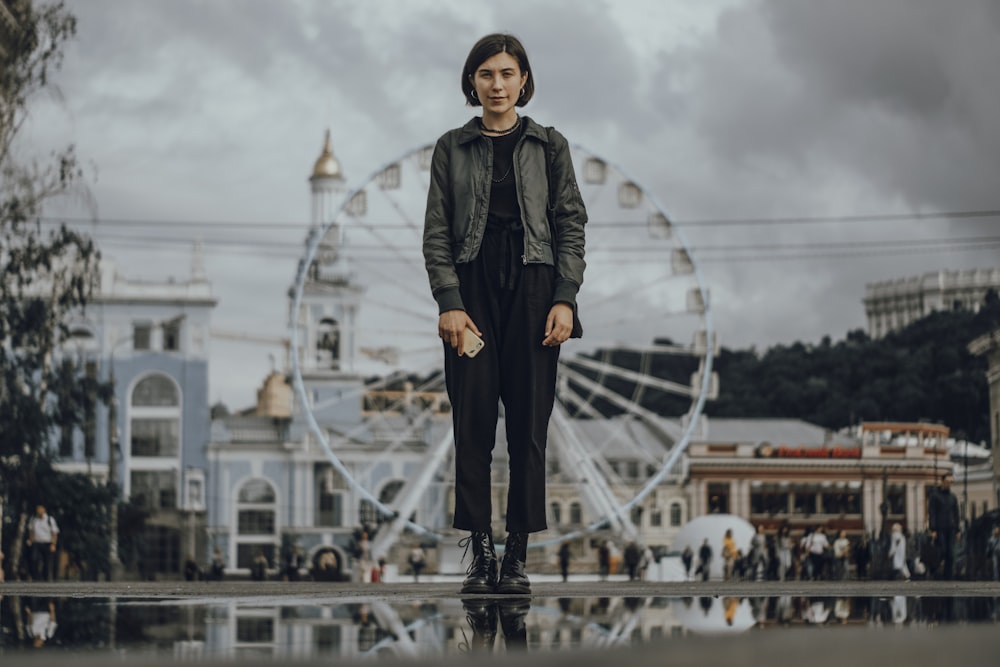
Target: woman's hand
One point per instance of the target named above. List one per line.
(451, 328)
(559, 324)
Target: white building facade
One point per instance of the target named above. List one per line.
(893, 304)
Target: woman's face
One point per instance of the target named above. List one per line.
(498, 82)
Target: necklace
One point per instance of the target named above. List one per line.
(500, 133)
(505, 175)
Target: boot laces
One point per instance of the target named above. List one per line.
(479, 542)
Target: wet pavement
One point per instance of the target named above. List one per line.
(580, 622)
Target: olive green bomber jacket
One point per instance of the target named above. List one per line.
(459, 199)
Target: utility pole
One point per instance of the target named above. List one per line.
(114, 563)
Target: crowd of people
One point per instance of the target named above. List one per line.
(939, 552)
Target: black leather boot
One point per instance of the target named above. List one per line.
(483, 569)
(481, 615)
(513, 580)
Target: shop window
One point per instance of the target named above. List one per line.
(768, 500)
(841, 502)
(805, 502)
(896, 499)
(718, 498)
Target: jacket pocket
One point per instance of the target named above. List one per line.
(539, 252)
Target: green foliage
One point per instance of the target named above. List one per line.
(924, 371)
(79, 506)
(46, 278)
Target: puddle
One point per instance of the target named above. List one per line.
(233, 629)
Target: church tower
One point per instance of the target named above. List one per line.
(329, 306)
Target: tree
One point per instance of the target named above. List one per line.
(46, 277)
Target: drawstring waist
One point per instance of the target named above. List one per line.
(503, 254)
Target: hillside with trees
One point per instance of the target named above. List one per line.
(923, 372)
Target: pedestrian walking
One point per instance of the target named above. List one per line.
(564, 559)
(729, 554)
(758, 555)
(687, 557)
(43, 538)
(604, 560)
(632, 556)
(704, 560)
(503, 246)
(819, 547)
(785, 547)
(841, 555)
(897, 552)
(417, 560)
(863, 556)
(217, 568)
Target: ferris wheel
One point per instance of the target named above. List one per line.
(646, 353)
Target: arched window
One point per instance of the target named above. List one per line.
(154, 418)
(155, 391)
(556, 513)
(256, 521)
(575, 513)
(675, 514)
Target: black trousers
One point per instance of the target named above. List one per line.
(509, 304)
(946, 540)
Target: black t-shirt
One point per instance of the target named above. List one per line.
(504, 209)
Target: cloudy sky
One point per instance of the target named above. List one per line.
(202, 119)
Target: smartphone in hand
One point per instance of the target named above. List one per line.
(473, 343)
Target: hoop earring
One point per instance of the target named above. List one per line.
(522, 92)
(472, 93)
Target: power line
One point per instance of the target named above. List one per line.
(704, 222)
(379, 249)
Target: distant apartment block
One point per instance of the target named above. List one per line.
(893, 304)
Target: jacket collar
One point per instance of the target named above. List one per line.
(470, 131)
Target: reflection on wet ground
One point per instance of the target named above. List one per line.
(183, 630)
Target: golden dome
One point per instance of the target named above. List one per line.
(327, 165)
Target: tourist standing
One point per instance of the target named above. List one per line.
(503, 246)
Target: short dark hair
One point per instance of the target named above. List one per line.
(486, 48)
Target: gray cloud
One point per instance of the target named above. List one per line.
(216, 111)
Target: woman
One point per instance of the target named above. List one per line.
(496, 272)
(728, 554)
